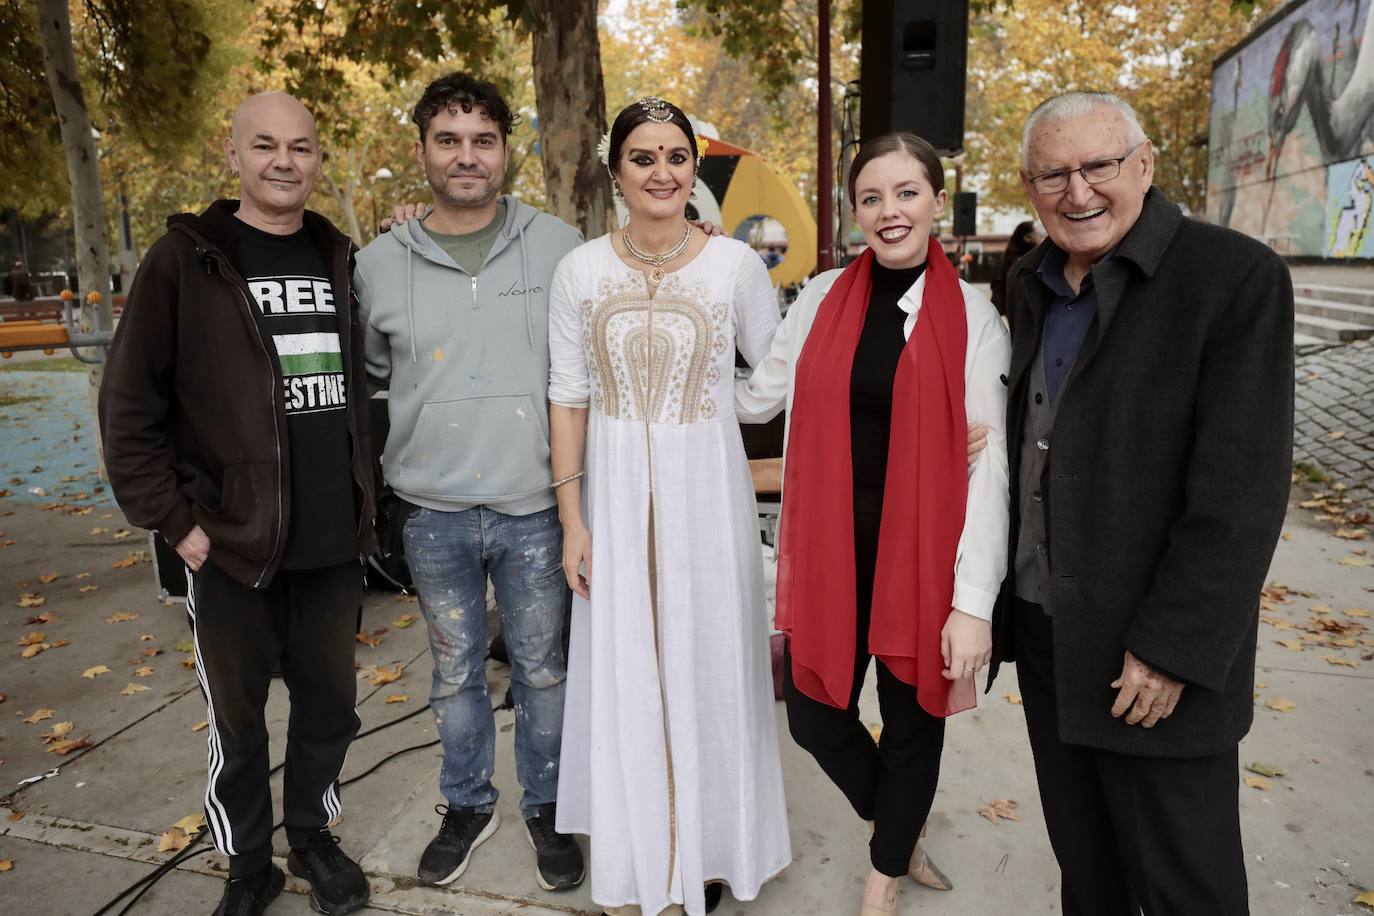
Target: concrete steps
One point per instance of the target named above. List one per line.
(1329, 314)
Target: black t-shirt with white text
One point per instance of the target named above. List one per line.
(296, 305)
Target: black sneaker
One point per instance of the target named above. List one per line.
(250, 894)
(463, 830)
(557, 857)
(337, 884)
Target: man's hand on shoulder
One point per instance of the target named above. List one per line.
(403, 213)
(706, 226)
(194, 548)
(1144, 695)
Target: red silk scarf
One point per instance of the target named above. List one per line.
(923, 501)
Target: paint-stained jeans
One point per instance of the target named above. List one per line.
(451, 554)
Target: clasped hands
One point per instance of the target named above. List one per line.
(1144, 695)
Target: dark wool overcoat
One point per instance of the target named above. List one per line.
(1169, 472)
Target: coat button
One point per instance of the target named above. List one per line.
(1042, 444)
(1039, 398)
(1040, 549)
(1037, 498)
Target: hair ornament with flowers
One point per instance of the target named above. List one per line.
(603, 149)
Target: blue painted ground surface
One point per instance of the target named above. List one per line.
(47, 441)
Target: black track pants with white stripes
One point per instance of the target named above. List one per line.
(304, 621)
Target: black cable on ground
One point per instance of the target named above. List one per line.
(144, 884)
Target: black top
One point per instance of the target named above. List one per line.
(870, 382)
(288, 276)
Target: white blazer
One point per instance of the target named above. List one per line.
(981, 562)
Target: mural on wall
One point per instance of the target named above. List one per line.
(1292, 132)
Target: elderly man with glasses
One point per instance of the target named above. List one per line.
(1150, 417)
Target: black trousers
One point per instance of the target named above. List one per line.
(1154, 834)
(303, 622)
(892, 782)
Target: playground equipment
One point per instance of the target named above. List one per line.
(48, 335)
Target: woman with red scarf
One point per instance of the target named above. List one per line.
(891, 545)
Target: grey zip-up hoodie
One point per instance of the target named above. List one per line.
(466, 362)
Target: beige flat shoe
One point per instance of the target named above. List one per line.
(872, 909)
(925, 872)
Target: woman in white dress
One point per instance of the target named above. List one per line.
(670, 753)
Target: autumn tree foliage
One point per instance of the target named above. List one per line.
(1157, 54)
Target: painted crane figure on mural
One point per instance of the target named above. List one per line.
(1343, 119)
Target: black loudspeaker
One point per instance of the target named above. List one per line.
(913, 64)
(965, 213)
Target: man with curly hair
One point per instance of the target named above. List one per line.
(455, 308)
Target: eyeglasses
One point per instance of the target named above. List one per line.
(1099, 172)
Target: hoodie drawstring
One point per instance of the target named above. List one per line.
(410, 307)
(525, 278)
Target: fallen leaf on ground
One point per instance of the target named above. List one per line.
(30, 639)
(1343, 662)
(122, 617)
(151, 651)
(379, 676)
(1259, 782)
(6, 864)
(368, 639)
(58, 643)
(45, 617)
(1014, 699)
(1004, 808)
(1260, 685)
(106, 530)
(1367, 898)
(1351, 534)
(1354, 561)
(145, 671)
(48, 578)
(31, 600)
(188, 662)
(191, 823)
(1319, 609)
(59, 731)
(15, 816)
(121, 534)
(83, 575)
(131, 688)
(39, 715)
(397, 698)
(95, 671)
(1337, 434)
(125, 563)
(88, 588)
(1345, 642)
(63, 748)
(185, 646)
(1286, 536)
(1279, 705)
(173, 840)
(146, 637)
(1264, 769)
(1292, 645)
(404, 621)
(31, 651)
(200, 726)
(1356, 612)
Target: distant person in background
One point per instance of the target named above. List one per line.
(21, 287)
(1025, 237)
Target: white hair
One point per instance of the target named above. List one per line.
(1077, 105)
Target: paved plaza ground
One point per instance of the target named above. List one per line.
(92, 827)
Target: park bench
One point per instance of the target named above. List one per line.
(48, 324)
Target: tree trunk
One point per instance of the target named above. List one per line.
(571, 99)
(83, 171)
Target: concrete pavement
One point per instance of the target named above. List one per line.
(78, 837)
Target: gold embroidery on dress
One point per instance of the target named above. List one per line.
(689, 338)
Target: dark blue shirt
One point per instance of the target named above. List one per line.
(1068, 317)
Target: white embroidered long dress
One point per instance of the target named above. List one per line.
(676, 619)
